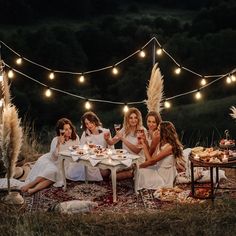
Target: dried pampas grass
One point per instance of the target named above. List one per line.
(11, 138)
(155, 91)
(233, 114)
(6, 90)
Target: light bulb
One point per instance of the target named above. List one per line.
(87, 105)
(198, 95)
(159, 51)
(19, 61)
(81, 79)
(10, 74)
(51, 75)
(48, 93)
(125, 109)
(228, 80)
(233, 78)
(203, 82)
(177, 70)
(142, 54)
(115, 71)
(167, 104)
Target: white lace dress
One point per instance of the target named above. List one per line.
(162, 174)
(76, 171)
(47, 168)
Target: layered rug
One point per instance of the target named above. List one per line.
(127, 200)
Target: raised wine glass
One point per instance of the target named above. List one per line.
(117, 127)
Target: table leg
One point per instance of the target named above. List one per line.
(113, 180)
(217, 176)
(212, 183)
(136, 179)
(86, 174)
(63, 173)
(192, 180)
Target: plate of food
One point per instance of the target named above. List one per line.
(79, 152)
(119, 157)
(99, 156)
(74, 147)
(119, 151)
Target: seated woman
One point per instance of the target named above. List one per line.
(45, 171)
(160, 169)
(128, 135)
(93, 134)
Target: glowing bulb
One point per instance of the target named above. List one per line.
(51, 75)
(203, 82)
(1, 78)
(48, 93)
(115, 71)
(1, 102)
(177, 70)
(228, 80)
(198, 95)
(81, 79)
(125, 109)
(19, 61)
(87, 105)
(233, 78)
(10, 74)
(167, 104)
(159, 51)
(142, 54)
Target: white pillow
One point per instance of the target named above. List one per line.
(206, 176)
(74, 206)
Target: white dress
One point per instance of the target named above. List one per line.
(47, 168)
(76, 171)
(132, 138)
(162, 174)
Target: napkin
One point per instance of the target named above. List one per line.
(126, 162)
(94, 162)
(75, 157)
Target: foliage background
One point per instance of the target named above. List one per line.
(84, 35)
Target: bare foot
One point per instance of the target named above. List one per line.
(31, 191)
(24, 188)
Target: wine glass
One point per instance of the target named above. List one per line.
(139, 134)
(62, 132)
(89, 141)
(117, 127)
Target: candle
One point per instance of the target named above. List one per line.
(197, 158)
(225, 159)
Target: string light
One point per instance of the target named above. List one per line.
(48, 93)
(19, 61)
(10, 74)
(203, 81)
(51, 75)
(159, 51)
(167, 104)
(81, 78)
(87, 105)
(142, 54)
(228, 80)
(177, 71)
(233, 78)
(115, 70)
(198, 95)
(125, 108)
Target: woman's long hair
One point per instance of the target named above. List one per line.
(156, 115)
(169, 135)
(126, 124)
(60, 125)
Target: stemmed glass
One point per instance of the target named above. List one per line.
(89, 141)
(140, 134)
(117, 127)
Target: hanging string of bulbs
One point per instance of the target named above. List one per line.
(159, 50)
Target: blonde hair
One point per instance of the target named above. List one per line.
(126, 124)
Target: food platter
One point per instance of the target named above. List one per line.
(99, 156)
(119, 151)
(119, 157)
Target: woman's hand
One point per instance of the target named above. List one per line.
(107, 135)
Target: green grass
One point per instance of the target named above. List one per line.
(203, 219)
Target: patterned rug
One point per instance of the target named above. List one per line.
(101, 193)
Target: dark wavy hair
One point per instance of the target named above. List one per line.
(60, 125)
(92, 117)
(169, 135)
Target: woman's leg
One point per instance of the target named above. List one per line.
(31, 184)
(126, 174)
(105, 174)
(44, 183)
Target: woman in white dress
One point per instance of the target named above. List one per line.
(160, 169)
(45, 171)
(128, 135)
(93, 135)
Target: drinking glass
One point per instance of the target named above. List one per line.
(62, 132)
(140, 134)
(117, 127)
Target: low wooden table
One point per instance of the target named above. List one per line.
(110, 164)
(211, 166)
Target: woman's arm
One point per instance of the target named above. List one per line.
(131, 146)
(55, 146)
(154, 159)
